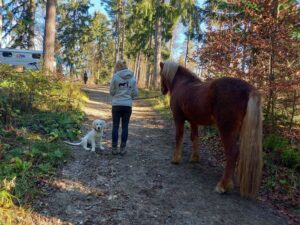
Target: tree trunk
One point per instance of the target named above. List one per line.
(122, 42)
(271, 99)
(148, 63)
(293, 110)
(116, 49)
(244, 51)
(122, 26)
(136, 66)
(49, 36)
(171, 46)
(31, 12)
(138, 69)
(119, 33)
(1, 20)
(72, 72)
(117, 40)
(188, 36)
(157, 49)
(187, 48)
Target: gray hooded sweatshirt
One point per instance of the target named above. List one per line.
(123, 88)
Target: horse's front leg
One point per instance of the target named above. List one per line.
(179, 135)
(195, 139)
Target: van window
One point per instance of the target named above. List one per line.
(7, 54)
(36, 56)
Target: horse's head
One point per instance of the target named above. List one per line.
(163, 81)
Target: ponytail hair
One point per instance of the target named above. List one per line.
(120, 65)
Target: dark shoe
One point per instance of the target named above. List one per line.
(123, 150)
(115, 151)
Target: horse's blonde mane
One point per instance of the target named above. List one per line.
(169, 70)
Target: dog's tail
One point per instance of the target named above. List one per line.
(70, 143)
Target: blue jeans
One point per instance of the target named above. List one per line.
(118, 113)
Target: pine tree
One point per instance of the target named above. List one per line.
(73, 32)
(98, 53)
(191, 18)
(1, 20)
(18, 23)
(140, 26)
(49, 36)
(157, 41)
(149, 26)
(117, 12)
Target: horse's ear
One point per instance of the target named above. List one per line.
(161, 64)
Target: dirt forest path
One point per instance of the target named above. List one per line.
(143, 187)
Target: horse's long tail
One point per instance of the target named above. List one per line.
(250, 159)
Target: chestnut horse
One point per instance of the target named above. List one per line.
(234, 106)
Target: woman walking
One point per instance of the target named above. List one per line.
(123, 89)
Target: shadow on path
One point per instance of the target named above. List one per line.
(143, 187)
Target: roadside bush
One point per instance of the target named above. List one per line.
(36, 111)
(31, 91)
(55, 125)
(291, 158)
(275, 143)
(11, 214)
(26, 164)
(280, 151)
(103, 76)
(160, 104)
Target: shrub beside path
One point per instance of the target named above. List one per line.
(143, 187)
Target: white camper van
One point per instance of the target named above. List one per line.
(27, 58)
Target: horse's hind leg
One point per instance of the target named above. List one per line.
(179, 135)
(231, 153)
(195, 140)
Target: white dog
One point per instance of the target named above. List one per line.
(91, 137)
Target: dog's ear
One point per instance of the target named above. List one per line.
(94, 124)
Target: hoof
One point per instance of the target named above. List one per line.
(175, 161)
(220, 189)
(194, 159)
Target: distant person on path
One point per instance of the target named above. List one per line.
(85, 77)
(123, 89)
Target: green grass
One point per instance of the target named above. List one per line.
(10, 214)
(279, 151)
(36, 113)
(31, 152)
(54, 125)
(159, 104)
